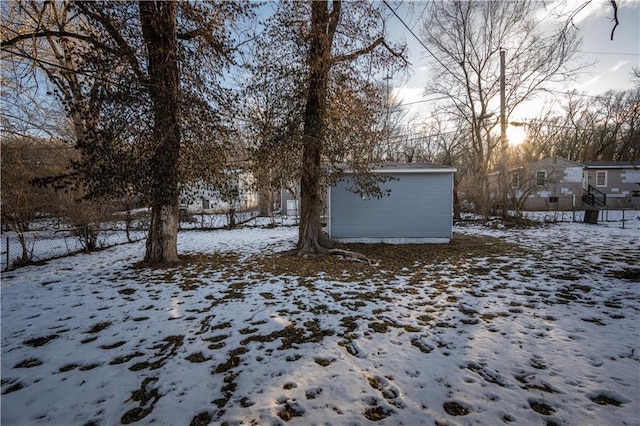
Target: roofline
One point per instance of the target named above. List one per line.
(622, 166)
(439, 169)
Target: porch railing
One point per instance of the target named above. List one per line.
(594, 198)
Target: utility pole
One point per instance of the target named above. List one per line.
(503, 185)
(387, 120)
(503, 118)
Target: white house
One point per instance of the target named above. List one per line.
(240, 194)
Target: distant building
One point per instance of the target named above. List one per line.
(290, 201)
(618, 181)
(240, 194)
(549, 184)
(556, 183)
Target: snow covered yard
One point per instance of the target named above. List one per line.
(525, 326)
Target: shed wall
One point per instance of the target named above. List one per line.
(418, 207)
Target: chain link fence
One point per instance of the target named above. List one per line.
(35, 246)
(51, 241)
(617, 217)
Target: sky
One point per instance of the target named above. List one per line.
(615, 58)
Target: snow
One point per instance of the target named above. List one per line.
(544, 335)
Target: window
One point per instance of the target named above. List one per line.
(541, 176)
(553, 200)
(515, 179)
(601, 178)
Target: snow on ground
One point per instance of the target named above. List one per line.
(543, 333)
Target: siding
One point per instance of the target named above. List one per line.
(622, 190)
(419, 206)
(564, 181)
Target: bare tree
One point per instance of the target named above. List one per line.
(466, 38)
(24, 160)
(273, 125)
(588, 128)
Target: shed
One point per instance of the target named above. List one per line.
(418, 209)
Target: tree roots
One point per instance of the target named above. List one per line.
(325, 245)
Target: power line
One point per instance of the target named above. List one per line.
(425, 100)
(444, 66)
(559, 92)
(609, 53)
(420, 41)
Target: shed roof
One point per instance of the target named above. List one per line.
(407, 168)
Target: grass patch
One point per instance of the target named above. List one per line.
(96, 328)
(541, 408)
(323, 362)
(290, 410)
(392, 258)
(631, 274)
(377, 413)
(40, 341)
(14, 387)
(454, 409)
(67, 367)
(28, 363)
(113, 345)
(88, 367)
(233, 361)
(197, 357)
(605, 400)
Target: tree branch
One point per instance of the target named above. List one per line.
(614, 5)
(333, 24)
(206, 34)
(117, 37)
(358, 53)
(47, 33)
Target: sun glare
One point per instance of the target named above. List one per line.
(515, 135)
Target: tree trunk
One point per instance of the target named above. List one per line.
(310, 229)
(159, 29)
(456, 199)
(162, 241)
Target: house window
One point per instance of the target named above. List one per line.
(205, 203)
(601, 178)
(541, 177)
(515, 179)
(553, 200)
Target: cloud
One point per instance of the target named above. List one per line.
(618, 65)
(585, 84)
(408, 94)
(580, 10)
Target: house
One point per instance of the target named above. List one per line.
(556, 183)
(553, 183)
(289, 201)
(238, 194)
(417, 209)
(614, 184)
